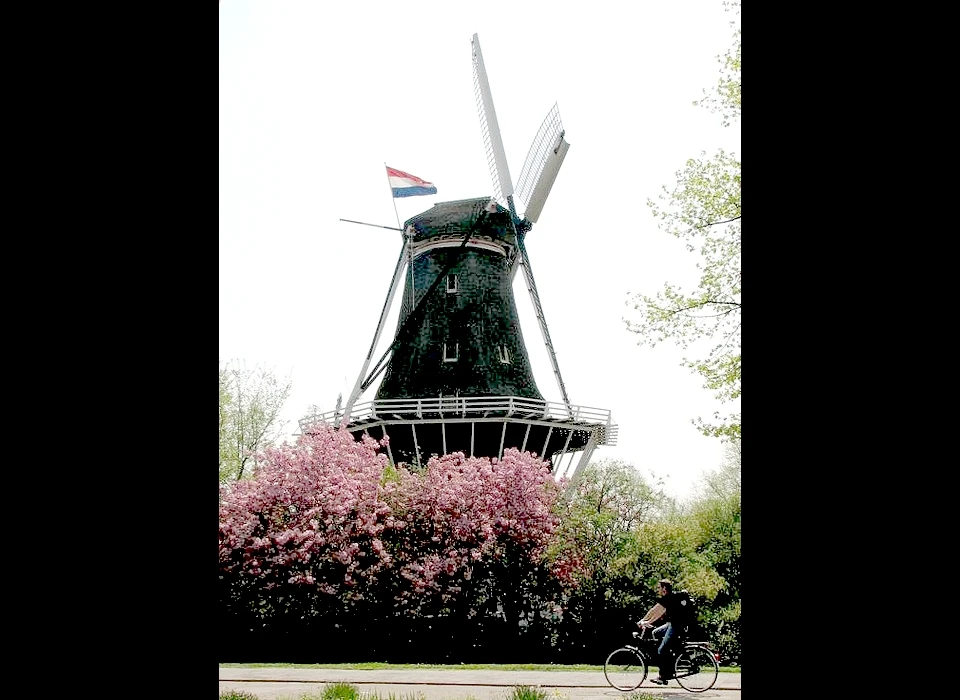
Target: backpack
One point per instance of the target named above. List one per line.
(686, 615)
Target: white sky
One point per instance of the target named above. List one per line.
(315, 97)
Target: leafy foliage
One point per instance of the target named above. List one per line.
(610, 500)
(250, 405)
(703, 209)
(713, 523)
(600, 515)
(725, 99)
(528, 692)
(340, 691)
(625, 535)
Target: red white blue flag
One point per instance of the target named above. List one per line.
(407, 185)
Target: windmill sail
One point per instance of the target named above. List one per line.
(492, 143)
(542, 165)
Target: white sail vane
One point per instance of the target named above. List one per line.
(542, 165)
(496, 158)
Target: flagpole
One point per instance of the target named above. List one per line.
(393, 199)
(404, 235)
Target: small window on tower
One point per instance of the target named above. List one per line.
(451, 352)
(504, 354)
(453, 284)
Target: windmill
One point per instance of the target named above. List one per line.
(457, 375)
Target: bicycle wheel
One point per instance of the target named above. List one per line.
(697, 669)
(625, 669)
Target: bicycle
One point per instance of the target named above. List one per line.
(696, 667)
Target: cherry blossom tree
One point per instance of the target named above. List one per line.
(479, 528)
(327, 524)
(305, 533)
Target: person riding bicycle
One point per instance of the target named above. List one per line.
(677, 608)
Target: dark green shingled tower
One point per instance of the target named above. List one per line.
(457, 377)
(459, 332)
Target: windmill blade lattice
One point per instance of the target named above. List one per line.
(492, 143)
(543, 162)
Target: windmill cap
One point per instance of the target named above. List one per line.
(461, 216)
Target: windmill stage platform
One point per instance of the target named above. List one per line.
(479, 426)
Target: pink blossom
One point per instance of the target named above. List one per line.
(320, 514)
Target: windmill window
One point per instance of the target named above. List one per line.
(451, 352)
(504, 354)
(453, 284)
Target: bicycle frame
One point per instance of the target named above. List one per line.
(685, 651)
(685, 644)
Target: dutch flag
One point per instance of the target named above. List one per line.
(407, 185)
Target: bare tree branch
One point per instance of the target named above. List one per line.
(717, 223)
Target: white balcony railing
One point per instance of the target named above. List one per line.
(466, 408)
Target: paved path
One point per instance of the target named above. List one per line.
(408, 684)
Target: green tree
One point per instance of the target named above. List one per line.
(713, 523)
(726, 481)
(599, 517)
(250, 404)
(631, 536)
(703, 210)
(725, 97)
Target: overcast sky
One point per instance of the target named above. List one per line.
(316, 97)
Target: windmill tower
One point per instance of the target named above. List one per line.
(457, 375)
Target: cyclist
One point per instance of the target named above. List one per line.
(676, 608)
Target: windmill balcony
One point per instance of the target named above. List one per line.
(476, 426)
